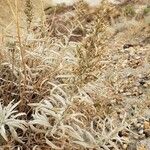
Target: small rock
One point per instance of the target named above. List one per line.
(147, 132)
(138, 125)
(137, 57)
(125, 146)
(127, 94)
(141, 131)
(121, 116)
(140, 75)
(146, 125)
(132, 51)
(127, 46)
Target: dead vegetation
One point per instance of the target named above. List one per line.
(79, 79)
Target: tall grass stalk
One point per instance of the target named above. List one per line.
(21, 48)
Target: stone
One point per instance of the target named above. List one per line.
(146, 125)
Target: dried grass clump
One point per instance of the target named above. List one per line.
(65, 78)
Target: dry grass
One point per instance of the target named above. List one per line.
(72, 82)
